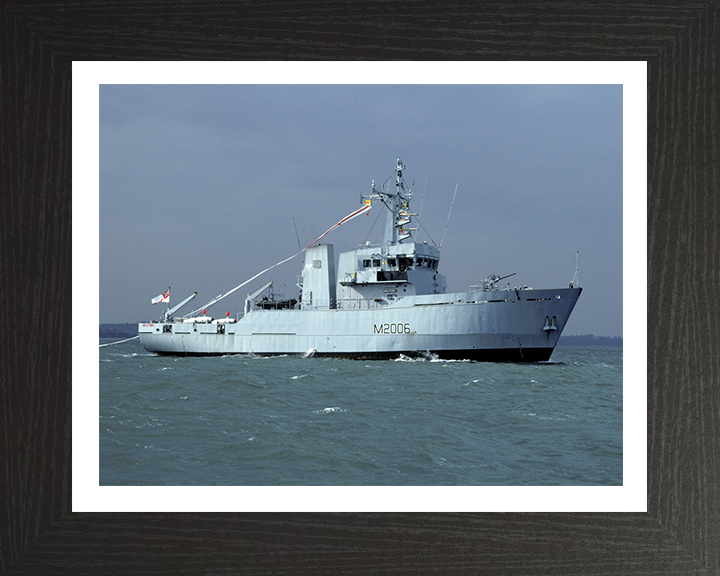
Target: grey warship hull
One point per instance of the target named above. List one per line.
(512, 326)
(385, 301)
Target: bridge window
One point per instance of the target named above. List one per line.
(366, 263)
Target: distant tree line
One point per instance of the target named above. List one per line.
(590, 340)
(118, 330)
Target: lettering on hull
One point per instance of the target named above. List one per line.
(391, 328)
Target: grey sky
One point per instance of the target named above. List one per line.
(199, 185)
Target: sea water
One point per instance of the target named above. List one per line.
(254, 421)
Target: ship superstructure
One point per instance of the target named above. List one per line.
(382, 301)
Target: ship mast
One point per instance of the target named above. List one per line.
(398, 205)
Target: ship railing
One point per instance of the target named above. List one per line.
(344, 304)
(488, 288)
(361, 303)
(316, 304)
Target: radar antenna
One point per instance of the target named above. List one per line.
(398, 204)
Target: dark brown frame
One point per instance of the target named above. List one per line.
(681, 530)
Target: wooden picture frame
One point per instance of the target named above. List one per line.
(680, 532)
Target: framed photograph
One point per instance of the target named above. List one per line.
(61, 518)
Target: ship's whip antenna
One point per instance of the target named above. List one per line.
(420, 214)
(297, 235)
(448, 218)
(423, 198)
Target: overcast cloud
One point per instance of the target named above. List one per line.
(199, 186)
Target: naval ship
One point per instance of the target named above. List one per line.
(381, 301)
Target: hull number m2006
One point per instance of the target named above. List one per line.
(391, 328)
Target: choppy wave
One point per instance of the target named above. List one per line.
(324, 421)
(329, 410)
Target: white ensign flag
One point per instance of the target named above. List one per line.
(162, 297)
